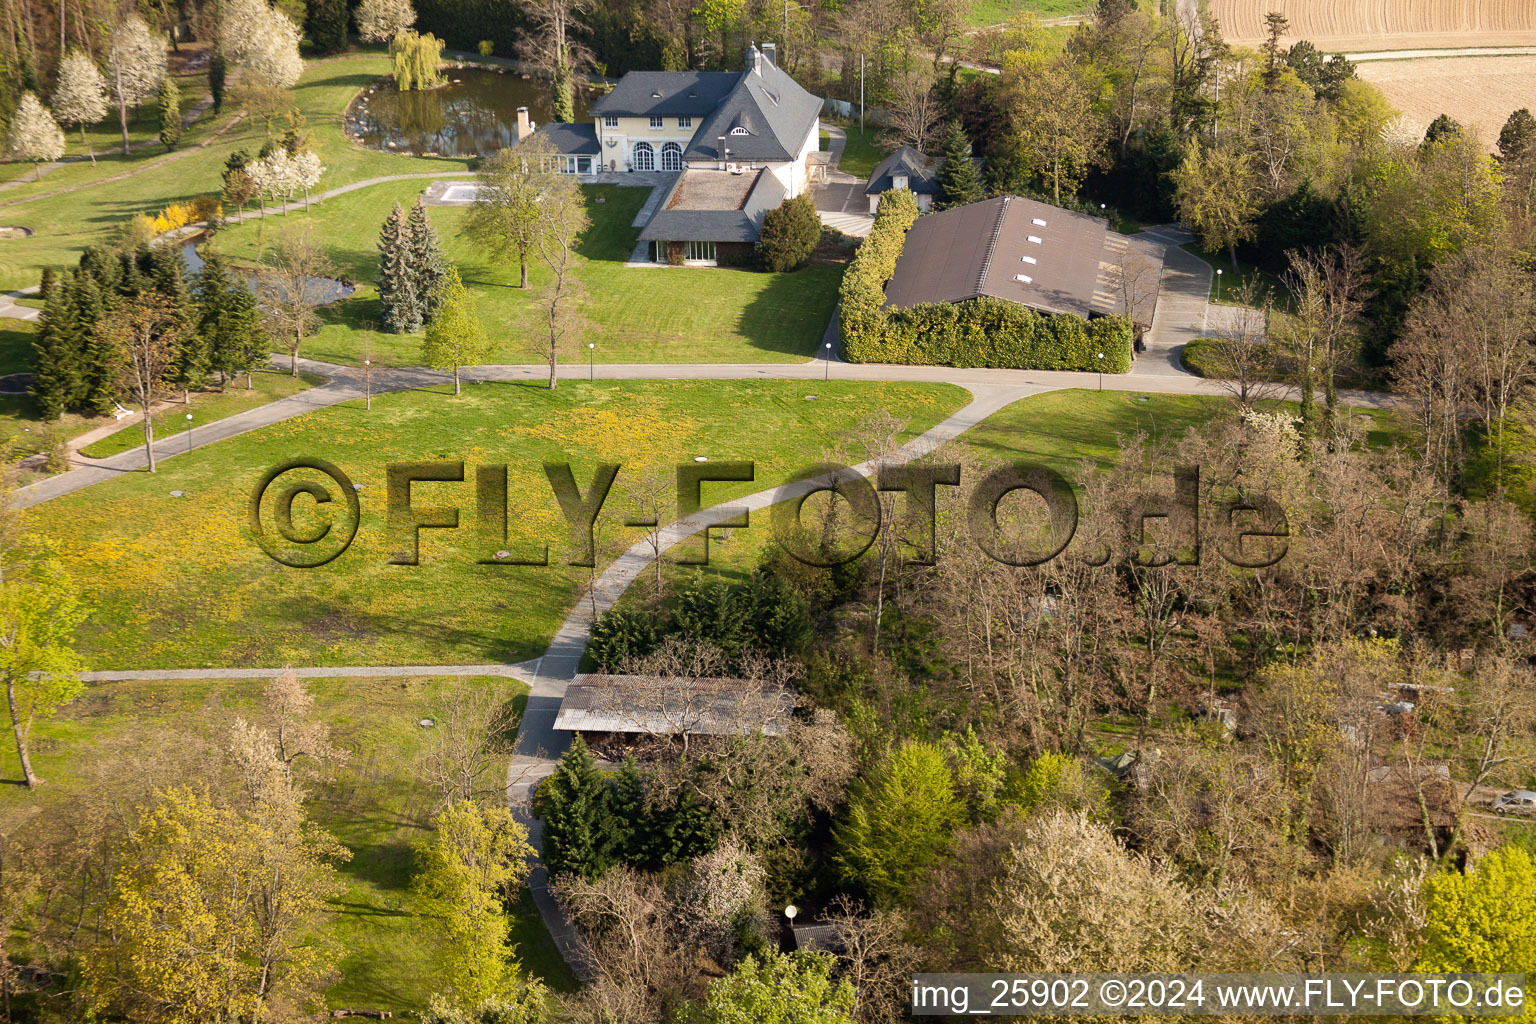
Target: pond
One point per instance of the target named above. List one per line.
(321, 290)
(474, 113)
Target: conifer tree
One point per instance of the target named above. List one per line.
(170, 113)
(958, 183)
(55, 351)
(401, 304)
(428, 269)
(578, 837)
(229, 322)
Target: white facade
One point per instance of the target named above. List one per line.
(639, 144)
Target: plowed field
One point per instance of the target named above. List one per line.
(1356, 25)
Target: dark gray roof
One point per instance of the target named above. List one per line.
(772, 108)
(992, 247)
(922, 172)
(642, 93)
(572, 139)
(679, 220)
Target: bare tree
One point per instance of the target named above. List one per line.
(552, 44)
(472, 731)
(875, 957)
(1243, 357)
(290, 289)
(145, 335)
(1328, 287)
(914, 112)
(564, 218)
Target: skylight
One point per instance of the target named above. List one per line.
(1023, 277)
(1029, 259)
(1039, 223)
(1036, 239)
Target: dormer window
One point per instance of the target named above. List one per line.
(610, 121)
(685, 120)
(656, 121)
(739, 130)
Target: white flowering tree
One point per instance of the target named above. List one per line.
(379, 21)
(307, 170)
(34, 134)
(80, 97)
(135, 67)
(262, 42)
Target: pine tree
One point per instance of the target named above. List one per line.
(229, 322)
(327, 21)
(399, 300)
(428, 269)
(218, 78)
(578, 833)
(170, 113)
(55, 350)
(959, 184)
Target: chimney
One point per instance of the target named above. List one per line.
(771, 53)
(524, 126)
(754, 60)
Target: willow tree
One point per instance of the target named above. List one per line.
(418, 60)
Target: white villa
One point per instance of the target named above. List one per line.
(740, 143)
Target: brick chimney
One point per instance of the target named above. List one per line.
(771, 53)
(524, 126)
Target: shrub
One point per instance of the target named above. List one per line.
(789, 235)
(620, 633)
(980, 332)
(486, 47)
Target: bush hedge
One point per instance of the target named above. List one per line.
(983, 332)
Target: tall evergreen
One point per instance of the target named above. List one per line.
(428, 269)
(228, 321)
(170, 113)
(958, 183)
(55, 350)
(578, 837)
(402, 305)
(218, 78)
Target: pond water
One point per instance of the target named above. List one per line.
(320, 290)
(474, 113)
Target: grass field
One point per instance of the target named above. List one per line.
(180, 582)
(206, 407)
(1233, 277)
(633, 314)
(373, 803)
(1351, 25)
(864, 150)
(996, 12)
(67, 223)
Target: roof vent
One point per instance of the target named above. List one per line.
(656, 95)
(693, 94)
(1023, 277)
(1036, 239)
(1039, 223)
(1029, 259)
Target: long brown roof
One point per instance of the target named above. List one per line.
(1011, 248)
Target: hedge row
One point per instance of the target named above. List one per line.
(984, 332)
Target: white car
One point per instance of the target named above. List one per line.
(1520, 801)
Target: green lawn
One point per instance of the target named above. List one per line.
(864, 150)
(205, 407)
(1233, 277)
(996, 12)
(633, 314)
(373, 803)
(67, 223)
(180, 582)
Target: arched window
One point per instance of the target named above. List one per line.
(645, 157)
(739, 130)
(671, 157)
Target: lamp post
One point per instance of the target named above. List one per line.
(1218, 284)
(1101, 371)
(828, 363)
(189, 433)
(368, 384)
(591, 370)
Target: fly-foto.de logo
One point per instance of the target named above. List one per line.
(306, 512)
